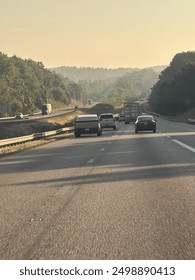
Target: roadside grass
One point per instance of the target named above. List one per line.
(20, 147)
(185, 116)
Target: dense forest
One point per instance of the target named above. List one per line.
(133, 86)
(25, 85)
(174, 93)
(113, 89)
(90, 74)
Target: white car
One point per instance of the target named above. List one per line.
(108, 120)
(19, 116)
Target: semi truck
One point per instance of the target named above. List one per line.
(131, 111)
(46, 109)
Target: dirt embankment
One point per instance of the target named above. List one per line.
(9, 130)
(190, 114)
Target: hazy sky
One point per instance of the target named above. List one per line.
(97, 33)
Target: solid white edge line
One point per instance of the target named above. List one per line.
(184, 145)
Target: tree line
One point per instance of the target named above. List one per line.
(91, 74)
(112, 89)
(25, 85)
(133, 86)
(174, 93)
(96, 74)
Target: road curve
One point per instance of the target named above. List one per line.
(119, 196)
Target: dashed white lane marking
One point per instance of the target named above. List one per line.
(102, 149)
(91, 161)
(184, 145)
(109, 142)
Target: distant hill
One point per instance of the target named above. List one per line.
(93, 74)
(133, 86)
(158, 69)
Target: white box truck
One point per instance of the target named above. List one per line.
(46, 109)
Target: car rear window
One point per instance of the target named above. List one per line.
(86, 118)
(145, 118)
(106, 117)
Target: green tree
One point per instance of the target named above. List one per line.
(174, 93)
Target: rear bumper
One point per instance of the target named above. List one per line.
(87, 130)
(145, 127)
(108, 126)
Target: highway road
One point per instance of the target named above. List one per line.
(119, 196)
(38, 116)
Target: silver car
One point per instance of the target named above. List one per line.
(108, 120)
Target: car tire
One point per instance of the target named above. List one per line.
(154, 130)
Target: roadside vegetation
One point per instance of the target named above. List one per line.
(112, 86)
(25, 85)
(174, 93)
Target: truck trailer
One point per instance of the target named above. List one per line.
(131, 111)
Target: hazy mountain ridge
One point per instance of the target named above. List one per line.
(92, 74)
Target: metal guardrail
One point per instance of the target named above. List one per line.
(13, 118)
(28, 117)
(192, 121)
(35, 136)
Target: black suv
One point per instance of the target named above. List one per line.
(145, 123)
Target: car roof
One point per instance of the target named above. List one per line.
(92, 117)
(145, 116)
(107, 114)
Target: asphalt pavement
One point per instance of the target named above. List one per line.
(119, 196)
